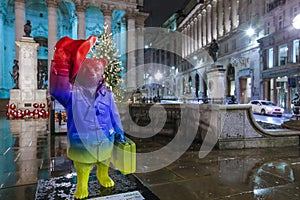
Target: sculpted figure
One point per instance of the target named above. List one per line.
(213, 50)
(27, 29)
(93, 120)
(15, 74)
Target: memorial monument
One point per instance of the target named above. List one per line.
(27, 99)
(215, 76)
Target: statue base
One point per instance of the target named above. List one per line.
(64, 187)
(216, 83)
(27, 103)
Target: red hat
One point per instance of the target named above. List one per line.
(73, 52)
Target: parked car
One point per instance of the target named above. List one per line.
(266, 108)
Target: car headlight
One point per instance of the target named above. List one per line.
(269, 109)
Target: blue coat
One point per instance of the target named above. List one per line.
(93, 123)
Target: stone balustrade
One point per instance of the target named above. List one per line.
(233, 126)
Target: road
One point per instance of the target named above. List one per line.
(271, 119)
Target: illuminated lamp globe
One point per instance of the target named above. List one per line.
(296, 22)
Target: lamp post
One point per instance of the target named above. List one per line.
(296, 25)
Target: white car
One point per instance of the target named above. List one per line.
(266, 108)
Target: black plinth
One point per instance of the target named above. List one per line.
(64, 187)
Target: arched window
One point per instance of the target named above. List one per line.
(197, 85)
(190, 85)
(183, 86)
(230, 80)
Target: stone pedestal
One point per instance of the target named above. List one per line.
(27, 94)
(216, 84)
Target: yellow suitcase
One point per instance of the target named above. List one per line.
(124, 156)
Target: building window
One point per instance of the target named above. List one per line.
(280, 22)
(295, 12)
(270, 58)
(283, 55)
(233, 44)
(296, 51)
(268, 28)
(226, 48)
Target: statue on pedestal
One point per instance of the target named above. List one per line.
(213, 50)
(94, 123)
(27, 29)
(15, 74)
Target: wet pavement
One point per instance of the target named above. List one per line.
(29, 154)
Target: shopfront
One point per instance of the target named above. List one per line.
(281, 85)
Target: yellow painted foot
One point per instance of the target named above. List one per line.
(106, 181)
(81, 192)
(102, 175)
(83, 171)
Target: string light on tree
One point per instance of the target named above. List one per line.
(107, 48)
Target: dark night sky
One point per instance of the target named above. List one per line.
(161, 10)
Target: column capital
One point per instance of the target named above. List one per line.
(106, 9)
(214, 3)
(19, 1)
(52, 3)
(140, 20)
(81, 6)
(131, 13)
(199, 15)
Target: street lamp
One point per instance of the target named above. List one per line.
(250, 31)
(296, 22)
(296, 25)
(158, 76)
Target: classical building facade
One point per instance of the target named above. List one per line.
(279, 51)
(54, 19)
(258, 48)
(226, 21)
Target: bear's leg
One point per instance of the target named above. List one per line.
(102, 174)
(83, 173)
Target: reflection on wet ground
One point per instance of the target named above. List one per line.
(29, 154)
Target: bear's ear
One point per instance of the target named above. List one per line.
(102, 62)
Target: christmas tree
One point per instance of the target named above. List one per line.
(107, 48)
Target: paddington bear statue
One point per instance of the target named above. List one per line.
(93, 120)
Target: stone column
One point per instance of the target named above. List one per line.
(199, 30)
(214, 20)
(184, 41)
(140, 23)
(196, 34)
(234, 13)
(226, 16)
(52, 30)
(131, 47)
(192, 36)
(107, 12)
(3, 66)
(220, 19)
(189, 39)
(204, 34)
(19, 21)
(208, 24)
(81, 8)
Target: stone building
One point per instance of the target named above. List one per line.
(279, 51)
(227, 21)
(54, 19)
(248, 33)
